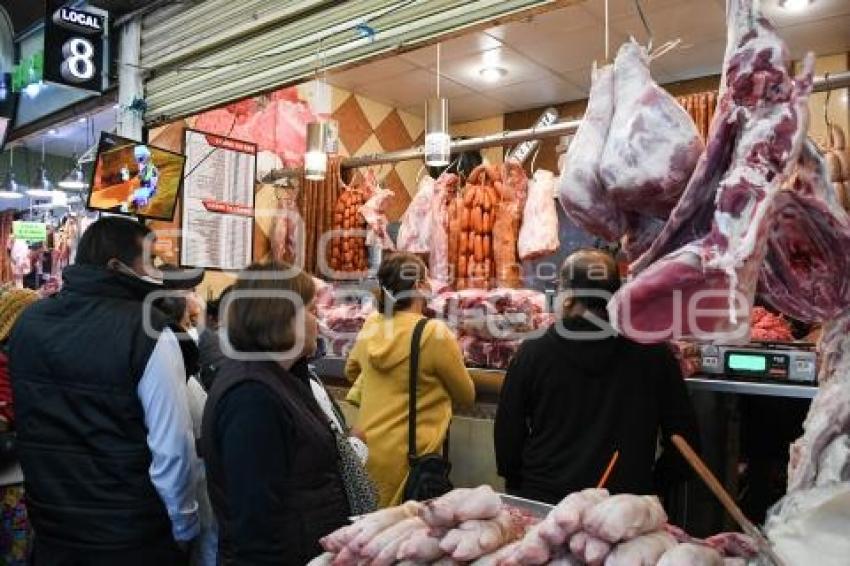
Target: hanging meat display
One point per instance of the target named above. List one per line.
(348, 250)
(317, 202)
(414, 234)
(699, 276)
(445, 191)
(374, 212)
(538, 235)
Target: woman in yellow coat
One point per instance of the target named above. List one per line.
(380, 364)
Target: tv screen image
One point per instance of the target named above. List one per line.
(135, 178)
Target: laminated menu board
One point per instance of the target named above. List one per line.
(218, 202)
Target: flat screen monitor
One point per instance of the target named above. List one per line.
(136, 179)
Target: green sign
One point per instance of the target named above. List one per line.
(30, 232)
(28, 71)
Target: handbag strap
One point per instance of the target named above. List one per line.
(414, 376)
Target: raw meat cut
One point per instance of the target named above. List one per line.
(374, 211)
(460, 505)
(285, 238)
(652, 145)
(644, 550)
(325, 559)
(475, 538)
(810, 526)
(358, 534)
(589, 549)
(383, 548)
(641, 231)
(733, 545)
(828, 419)
(531, 550)
(768, 327)
(691, 555)
(414, 235)
(698, 278)
(538, 236)
(422, 546)
(834, 348)
(566, 518)
(445, 190)
(580, 189)
(624, 516)
(808, 256)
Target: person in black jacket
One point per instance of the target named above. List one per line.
(579, 393)
(270, 454)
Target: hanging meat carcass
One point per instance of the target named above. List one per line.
(374, 212)
(414, 234)
(652, 145)
(285, 237)
(580, 190)
(445, 192)
(699, 276)
(538, 236)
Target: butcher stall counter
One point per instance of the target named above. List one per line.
(736, 425)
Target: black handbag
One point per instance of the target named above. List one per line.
(429, 473)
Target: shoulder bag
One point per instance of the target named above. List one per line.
(429, 473)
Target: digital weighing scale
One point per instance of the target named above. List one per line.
(765, 360)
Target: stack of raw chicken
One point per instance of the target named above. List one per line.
(474, 526)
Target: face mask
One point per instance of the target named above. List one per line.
(193, 332)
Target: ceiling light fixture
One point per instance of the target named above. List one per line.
(795, 5)
(493, 74)
(10, 189)
(42, 187)
(438, 142)
(316, 157)
(81, 120)
(74, 180)
(53, 131)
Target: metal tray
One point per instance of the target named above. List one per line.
(536, 508)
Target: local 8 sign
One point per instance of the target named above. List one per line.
(73, 46)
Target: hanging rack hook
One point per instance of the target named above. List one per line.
(534, 158)
(645, 23)
(829, 139)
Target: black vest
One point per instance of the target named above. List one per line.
(315, 503)
(75, 362)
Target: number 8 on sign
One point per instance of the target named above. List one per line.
(78, 66)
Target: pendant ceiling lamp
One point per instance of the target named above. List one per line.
(10, 189)
(74, 180)
(316, 157)
(41, 187)
(437, 138)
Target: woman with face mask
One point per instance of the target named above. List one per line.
(380, 362)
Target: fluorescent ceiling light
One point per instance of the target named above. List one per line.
(493, 74)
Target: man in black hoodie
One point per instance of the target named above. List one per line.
(579, 393)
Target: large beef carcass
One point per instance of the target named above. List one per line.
(652, 145)
(699, 277)
(580, 189)
(538, 236)
(414, 235)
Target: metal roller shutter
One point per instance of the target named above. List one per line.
(219, 51)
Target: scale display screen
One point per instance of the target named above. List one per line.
(747, 362)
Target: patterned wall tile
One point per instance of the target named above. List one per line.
(354, 126)
(392, 133)
(409, 171)
(401, 197)
(375, 112)
(371, 145)
(414, 124)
